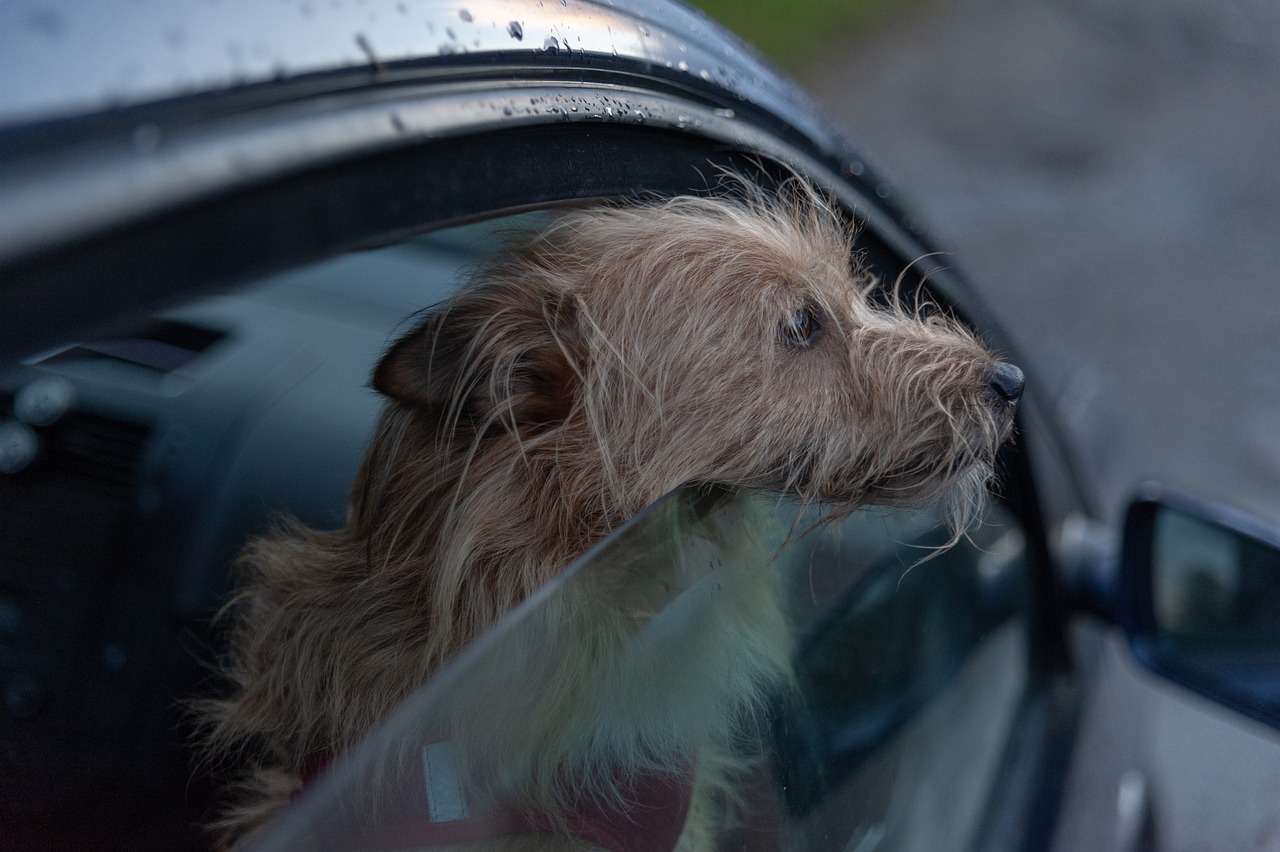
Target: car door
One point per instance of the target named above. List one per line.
(166, 190)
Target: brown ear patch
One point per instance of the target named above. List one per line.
(421, 366)
(493, 354)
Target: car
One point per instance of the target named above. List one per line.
(215, 215)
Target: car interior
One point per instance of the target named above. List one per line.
(153, 457)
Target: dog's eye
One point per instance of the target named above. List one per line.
(802, 328)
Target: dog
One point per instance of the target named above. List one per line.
(732, 342)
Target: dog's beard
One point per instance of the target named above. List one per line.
(950, 476)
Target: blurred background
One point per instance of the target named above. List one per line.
(1107, 174)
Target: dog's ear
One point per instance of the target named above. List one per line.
(497, 353)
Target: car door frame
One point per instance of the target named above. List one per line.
(186, 196)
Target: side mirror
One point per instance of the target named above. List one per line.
(1199, 597)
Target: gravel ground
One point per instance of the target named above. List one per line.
(1107, 172)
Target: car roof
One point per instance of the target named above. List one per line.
(64, 58)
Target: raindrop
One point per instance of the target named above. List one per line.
(724, 113)
(552, 43)
(515, 30)
(644, 31)
(682, 65)
(705, 74)
(882, 190)
(506, 110)
(465, 15)
(449, 32)
(398, 123)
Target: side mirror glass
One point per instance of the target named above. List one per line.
(1200, 600)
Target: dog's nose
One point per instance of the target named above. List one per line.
(1007, 381)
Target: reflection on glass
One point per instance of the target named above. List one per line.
(1215, 591)
(846, 684)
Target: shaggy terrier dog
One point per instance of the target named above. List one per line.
(581, 374)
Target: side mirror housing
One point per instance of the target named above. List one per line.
(1198, 595)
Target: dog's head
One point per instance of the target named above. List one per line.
(710, 340)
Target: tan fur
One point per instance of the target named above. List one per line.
(577, 378)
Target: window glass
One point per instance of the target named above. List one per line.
(1210, 584)
(859, 686)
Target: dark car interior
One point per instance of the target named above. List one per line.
(157, 453)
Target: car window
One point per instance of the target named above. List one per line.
(906, 664)
(909, 663)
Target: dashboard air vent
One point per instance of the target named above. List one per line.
(96, 451)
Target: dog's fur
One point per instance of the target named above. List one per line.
(575, 379)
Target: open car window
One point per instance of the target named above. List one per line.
(908, 667)
(903, 673)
